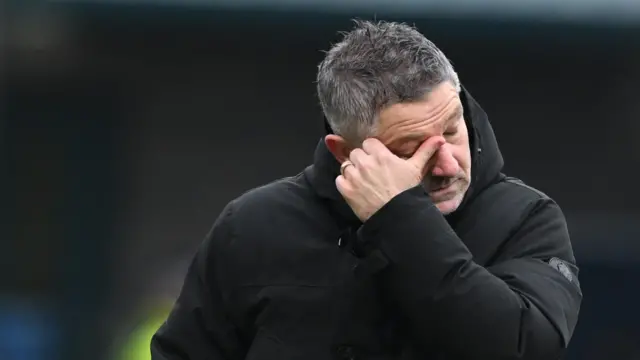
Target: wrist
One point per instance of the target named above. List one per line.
(400, 207)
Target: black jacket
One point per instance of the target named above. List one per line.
(288, 272)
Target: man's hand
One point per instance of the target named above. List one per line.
(373, 175)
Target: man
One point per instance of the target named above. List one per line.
(402, 241)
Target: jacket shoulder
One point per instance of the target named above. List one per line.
(272, 210)
(536, 225)
(527, 190)
(516, 201)
(272, 200)
(278, 192)
(505, 211)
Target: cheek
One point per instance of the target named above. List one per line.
(463, 157)
(463, 151)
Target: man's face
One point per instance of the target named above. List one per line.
(404, 127)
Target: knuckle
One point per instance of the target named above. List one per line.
(350, 171)
(367, 164)
(384, 157)
(368, 143)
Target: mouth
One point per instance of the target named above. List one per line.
(442, 188)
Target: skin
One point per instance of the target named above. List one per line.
(420, 142)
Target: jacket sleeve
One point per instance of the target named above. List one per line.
(521, 307)
(198, 326)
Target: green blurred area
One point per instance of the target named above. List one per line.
(135, 346)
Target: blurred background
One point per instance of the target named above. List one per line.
(126, 126)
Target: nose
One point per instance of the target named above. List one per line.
(445, 164)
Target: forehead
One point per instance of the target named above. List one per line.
(423, 118)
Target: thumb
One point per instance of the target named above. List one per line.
(426, 151)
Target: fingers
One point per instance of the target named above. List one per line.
(348, 170)
(426, 151)
(373, 146)
(372, 150)
(358, 157)
(344, 187)
(345, 165)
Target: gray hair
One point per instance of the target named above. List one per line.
(374, 66)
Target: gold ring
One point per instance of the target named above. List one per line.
(344, 165)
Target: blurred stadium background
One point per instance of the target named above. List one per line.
(127, 125)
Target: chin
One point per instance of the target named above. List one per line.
(446, 207)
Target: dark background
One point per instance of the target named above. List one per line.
(125, 130)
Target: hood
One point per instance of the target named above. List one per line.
(486, 161)
(486, 158)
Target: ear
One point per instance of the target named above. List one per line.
(338, 147)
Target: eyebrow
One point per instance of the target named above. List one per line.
(455, 115)
(418, 137)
